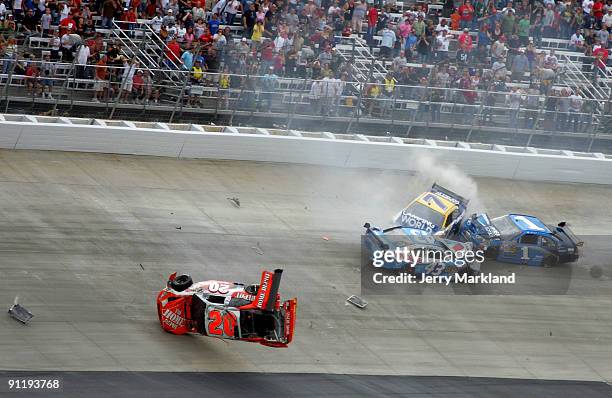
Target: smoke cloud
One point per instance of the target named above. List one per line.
(429, 169)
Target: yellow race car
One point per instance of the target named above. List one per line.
(436, 211)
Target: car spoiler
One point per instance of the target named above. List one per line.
(450, 195)
(564, 228)
(267, 294)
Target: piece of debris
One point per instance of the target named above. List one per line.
(357, 301)
(171, 214)
(179, 227)
(141, 266)
(235, 201)
(324, 237)
(257, 249)
(20, 313)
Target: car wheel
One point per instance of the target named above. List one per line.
(181, 282)
(550, 261)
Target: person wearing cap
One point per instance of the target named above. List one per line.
(442, 26)
(169, 19)
(520, 65)
(465, 40)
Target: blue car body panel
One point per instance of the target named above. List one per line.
(520, 239)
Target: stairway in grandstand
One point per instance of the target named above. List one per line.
(143, 44)
(573, 76)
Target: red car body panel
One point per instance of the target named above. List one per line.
(211, 308)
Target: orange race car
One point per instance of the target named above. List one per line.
(228, 310)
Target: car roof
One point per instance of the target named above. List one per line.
(530, 224)
(436, 202)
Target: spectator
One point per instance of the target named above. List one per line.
(532, 104)
(576, 104)
(387, 43)
(269, 83)
(523, 28)
(173, 53)
(47, 71)
(520, 65)
(513, 100)
(83, 54)
(359, 13)
(109, 9)
(101, 80)
(443, 43)
(563, 108)
(423, 46)
(466, 10)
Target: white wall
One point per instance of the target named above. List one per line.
(27, 132)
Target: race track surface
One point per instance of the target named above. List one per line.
(87, 240)
(300, 385)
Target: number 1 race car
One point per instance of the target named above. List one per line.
(521, 239)
(228, 310)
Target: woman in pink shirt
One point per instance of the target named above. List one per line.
(405, 28)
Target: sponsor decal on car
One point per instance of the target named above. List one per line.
(244, 296)
(263, 290)
(173, 319)
(411, 221)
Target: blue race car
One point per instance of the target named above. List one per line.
(444, 257)
(521, 239)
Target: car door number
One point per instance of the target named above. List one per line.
(221, 323)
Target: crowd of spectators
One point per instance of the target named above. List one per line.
(468, 52)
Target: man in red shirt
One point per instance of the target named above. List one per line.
(604, 54)
(130, 18)
(67, 25)
(206, 37)
(465, 40)
(372, 20)
(598, 12)
(173, 53)
(467, 13)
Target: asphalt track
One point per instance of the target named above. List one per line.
(86, 240)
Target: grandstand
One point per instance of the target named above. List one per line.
(355, 66)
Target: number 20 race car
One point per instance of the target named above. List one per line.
(228, 310)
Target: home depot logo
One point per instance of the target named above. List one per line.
(263, 289)
(173, 319)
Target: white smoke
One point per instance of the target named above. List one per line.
(429, 169)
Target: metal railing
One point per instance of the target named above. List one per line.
(290, 101)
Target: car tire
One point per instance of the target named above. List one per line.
(549, 261)
(181, 282)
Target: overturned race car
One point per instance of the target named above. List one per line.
(228, 310)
